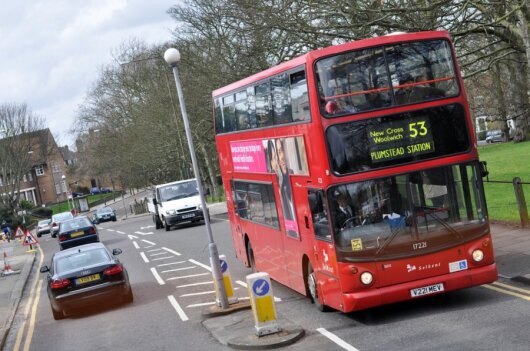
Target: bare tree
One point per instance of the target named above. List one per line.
(20, 145)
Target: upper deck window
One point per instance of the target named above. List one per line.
(379, 77)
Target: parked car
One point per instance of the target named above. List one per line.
(43, 227)
(95, 190)
(57, 219)
(77, 231)
(84, 276)
(77, 194)
(105, 190)
(494, 136)
(104, 214)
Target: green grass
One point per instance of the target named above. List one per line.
(505, 161)
(63, 206)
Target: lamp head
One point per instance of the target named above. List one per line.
(172, 56)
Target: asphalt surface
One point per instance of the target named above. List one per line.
(512, 249)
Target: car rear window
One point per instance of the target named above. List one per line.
(81, 260)
(63, 216)
(76, 223)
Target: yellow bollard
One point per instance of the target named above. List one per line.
(262, 302)
(227, 280)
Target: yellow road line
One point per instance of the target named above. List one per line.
(491, 287)
(32, 320)
(524, 291)
(29, 304)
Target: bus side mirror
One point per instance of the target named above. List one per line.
(484, 169)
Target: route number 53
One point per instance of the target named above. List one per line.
(417, 128)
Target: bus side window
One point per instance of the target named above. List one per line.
(263, 111)
(319, 215)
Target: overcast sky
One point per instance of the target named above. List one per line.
(51, 51)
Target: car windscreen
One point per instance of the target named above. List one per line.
(178, 191)
(105, 210)
(62, 216)
(80, 260)
(44, 222)
(76, 223)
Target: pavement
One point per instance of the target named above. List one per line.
(512, 251)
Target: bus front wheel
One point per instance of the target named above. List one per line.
(312, 288)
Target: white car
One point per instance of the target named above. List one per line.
(57, 219)
(43, 227)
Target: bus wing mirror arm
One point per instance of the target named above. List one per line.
(306, 219)
(484, 170)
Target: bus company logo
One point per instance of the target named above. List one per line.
(410, 268)
(429, 266)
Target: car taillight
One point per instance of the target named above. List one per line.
(62, 237)
(92, 230)
(113, 270)
(60, 283)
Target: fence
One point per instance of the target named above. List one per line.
(139, 207)
(499, 204)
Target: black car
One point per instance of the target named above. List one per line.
(84, 276)
(77, 231)
(104, 214)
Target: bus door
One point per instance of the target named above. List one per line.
(236, 207)
(323, 258)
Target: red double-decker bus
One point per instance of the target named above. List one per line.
(352, 173)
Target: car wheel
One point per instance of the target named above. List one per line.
(114, 219)
(54, 235)
(166, 226)
(39, 235)
(158, 225)
(57, 314)
(312, 289)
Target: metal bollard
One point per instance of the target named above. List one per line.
(262, 302)
(227, 281)
(519, 196)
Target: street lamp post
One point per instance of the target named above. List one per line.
(172, 57)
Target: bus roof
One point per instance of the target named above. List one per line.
(393, 38)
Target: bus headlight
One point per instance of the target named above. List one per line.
(478, 255)
(367, 278)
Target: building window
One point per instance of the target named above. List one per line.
(39, 170)
(58, 189)
(24, 178)
(55, 168)
(29, 176)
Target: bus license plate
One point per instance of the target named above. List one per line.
(188, 215)
(426, 290)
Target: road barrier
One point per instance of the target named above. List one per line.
(262, 302)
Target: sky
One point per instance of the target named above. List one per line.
(52, 51)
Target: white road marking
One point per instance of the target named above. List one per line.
(132, 236)
(168, 264)
(177, 308)
(188, 276)
(136, 246)
(142, 233)
(171, 251)
(157, 254)
(200, 264)
(243, 284)
(178, 269)
(152, 250)
(199, 293)
(336, 340)
(201, 304)
(157, 276)
(117, 231)
(144, 257)
(161, 258)
(110, 230)
(149, 242)
(149, 226)
(194, 284)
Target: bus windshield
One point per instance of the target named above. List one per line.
(408, 214)
(385, 76)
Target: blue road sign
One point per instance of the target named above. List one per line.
(260, 287)
(224, 266)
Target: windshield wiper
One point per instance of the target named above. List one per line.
(432, 213)
(392, 236)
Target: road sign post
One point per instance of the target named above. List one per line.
(227, 280)
(262, 302)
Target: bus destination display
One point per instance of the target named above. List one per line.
(400, 138)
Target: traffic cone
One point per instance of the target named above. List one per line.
(7, 266)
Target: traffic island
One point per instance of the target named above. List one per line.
(216, 311)
(287, 336)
